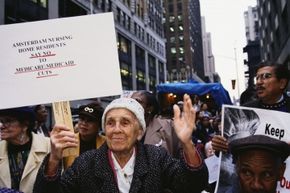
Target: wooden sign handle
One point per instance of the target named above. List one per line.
(62, 115)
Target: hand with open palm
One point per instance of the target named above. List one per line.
(184, 122)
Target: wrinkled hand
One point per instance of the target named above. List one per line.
(219, 143)
(184, 122)
(61, 137)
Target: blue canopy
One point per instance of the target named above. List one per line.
(216, 90)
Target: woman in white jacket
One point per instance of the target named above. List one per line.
(21, 151)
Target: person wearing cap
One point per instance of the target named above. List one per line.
(21, 150)
(259, 161)
(123, 164)
(89, 127)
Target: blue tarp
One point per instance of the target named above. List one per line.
(217, 91)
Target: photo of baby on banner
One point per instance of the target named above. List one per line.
(259, 147)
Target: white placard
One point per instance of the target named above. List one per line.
(212, 164)
(58, 60)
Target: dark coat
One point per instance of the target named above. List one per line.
(154, 170)
(258, 104)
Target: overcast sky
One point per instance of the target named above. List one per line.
(225, 21)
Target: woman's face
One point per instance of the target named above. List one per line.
(88, 128)
(11, 129)
(122, 130)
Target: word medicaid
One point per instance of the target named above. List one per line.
(274, 131)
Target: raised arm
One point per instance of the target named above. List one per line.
(184, 125)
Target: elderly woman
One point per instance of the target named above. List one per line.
(123, 164)
(21, 150)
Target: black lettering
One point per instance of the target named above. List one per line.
(267, 129)
(281, 133)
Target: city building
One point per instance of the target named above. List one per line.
(139, 32)
(208, 57)
(251, 24)
(184, 40)
(274, 25)
(253, 47)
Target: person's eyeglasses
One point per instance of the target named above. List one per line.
(7, 121)
(264, 76)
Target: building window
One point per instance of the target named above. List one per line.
(118, 14)
(43, 3)
(151, 63)
(172, 39)
(170, 8)
(179, 7)
(161, 67)
(140, 54)
(125, 70)
(127, 3)
(181, 38)
(171, 18)
(181, 50)
(128, 22)
(23, 11)
(141, 80)
(276, 22)
(126, 75)
(124, 45)
(152, 82)
(173, 50)
(140, 8)
(171, 29)
(283, 4)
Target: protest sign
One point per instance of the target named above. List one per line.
(212, 164)
(238, 122)
(58, 60)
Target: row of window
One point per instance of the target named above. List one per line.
(124, 46)
(42, 3)
(274, 25)
(124, 20)
(140, 78)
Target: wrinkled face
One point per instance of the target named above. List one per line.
(268, 87)
(11, 129)
(88, 127)
(259, 171)
(122, 130)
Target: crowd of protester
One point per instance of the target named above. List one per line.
(170, 151)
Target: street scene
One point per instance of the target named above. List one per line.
(145, 96)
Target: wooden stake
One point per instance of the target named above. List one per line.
(62, 115)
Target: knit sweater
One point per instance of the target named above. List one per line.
(154, 171)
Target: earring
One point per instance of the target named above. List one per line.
(22, 137)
